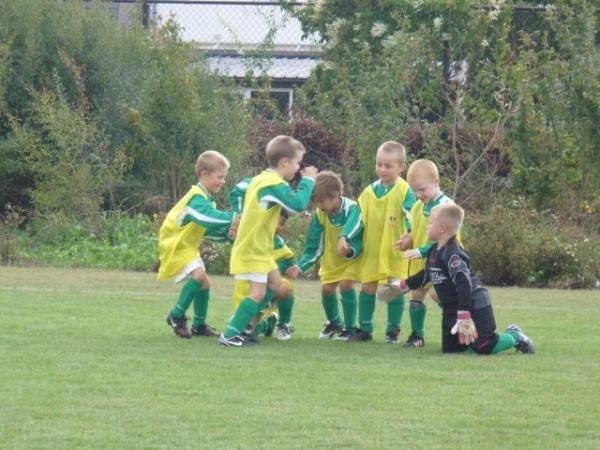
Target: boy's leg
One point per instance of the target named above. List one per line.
(330, 306)
(247, 309)
(395, 310)
(366, 310)
(329, 302)
(417, 311)
(176, 318)
(188, 293)
(199, 326)
(285, 308)
(349, 303)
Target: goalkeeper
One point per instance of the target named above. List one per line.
(468, 319)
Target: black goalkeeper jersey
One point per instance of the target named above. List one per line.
(449, 271)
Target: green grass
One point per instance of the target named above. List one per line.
(86, 361)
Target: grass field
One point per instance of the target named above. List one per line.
(86, 361)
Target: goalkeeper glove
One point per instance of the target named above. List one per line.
(465, 327)
(392, 291)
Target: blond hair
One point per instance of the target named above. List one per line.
(394, 148)
(328, 185)
(211, 161)
(422, 170)
(451, 215)
(282, 147)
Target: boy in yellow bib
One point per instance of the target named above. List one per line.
(384, 207)
(252, 254)
(193, 219)
(424, 179)
(335, 240)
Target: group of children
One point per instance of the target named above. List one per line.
(399, 237)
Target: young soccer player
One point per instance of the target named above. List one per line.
(384, 206)
(252, 254)
(194, 218)
(468, 321)
(283, 302)
(335, 240)
(424, 180)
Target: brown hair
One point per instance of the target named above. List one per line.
(282, 147)
(211, 161)
(328, 184)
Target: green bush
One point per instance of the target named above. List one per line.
(114, 242)
(524, 247)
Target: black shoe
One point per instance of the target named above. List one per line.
(524, 343)
(179, 326)
(393, 336)
(250, 337)
(345, 334)
(329, 330)
(360, 336)
(414, 341)
(204, 330)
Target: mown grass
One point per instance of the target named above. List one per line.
(86, 361)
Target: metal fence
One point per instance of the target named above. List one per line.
(225, 26)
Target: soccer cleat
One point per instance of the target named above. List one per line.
(389, 292)
(524, 343)
(270, 323)
(414, 341)
(284, 331)
(393, 336)
(360, 336)
(204, 330)
(179, 326)
(234, 341)
(345, 334)
(329, 330)
(250, 337)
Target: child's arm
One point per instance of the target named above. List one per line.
(421, 252)
(314, 245)
(236, 196)
(202, 212)
(351, 237)
(293, 200)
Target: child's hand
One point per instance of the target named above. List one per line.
(465, 327)
(309, 171)
(343, 247)
(404, 243)
(293, 272)
(234, 226)
(412, 254)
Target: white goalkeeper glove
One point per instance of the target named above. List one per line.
(391, 291)
(465, 327)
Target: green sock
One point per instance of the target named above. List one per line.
(349, 304)
(261, 327)
(395, 309)
(244, 313)
(506, 341)
(330, 305)
(188, 293)
(269, 294)
(284, 307)
(200, 307)
(417, 311)
(366, 309)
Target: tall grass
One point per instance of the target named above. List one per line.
(86, 361)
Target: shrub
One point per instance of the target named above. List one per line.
(516, 245)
